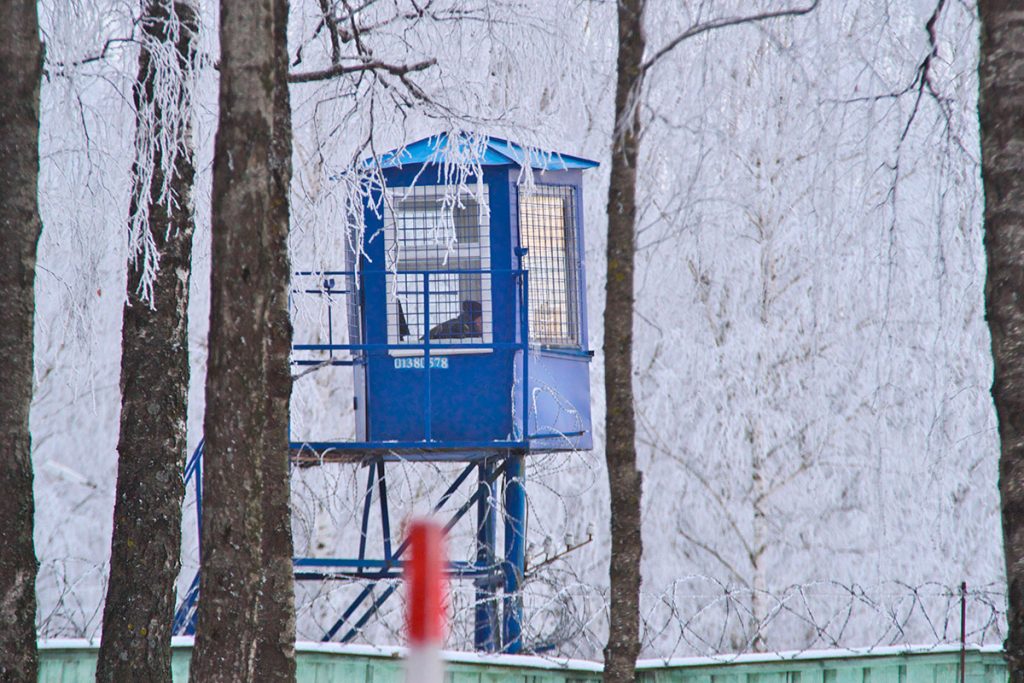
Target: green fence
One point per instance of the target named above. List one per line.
(74, 661)
(881, 665)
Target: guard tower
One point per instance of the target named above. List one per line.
(466, 331)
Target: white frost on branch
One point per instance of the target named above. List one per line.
(164, 113)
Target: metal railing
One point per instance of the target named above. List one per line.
(425, 347)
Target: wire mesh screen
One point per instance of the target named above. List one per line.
(547, 229)
(352, 308)
(438, 255)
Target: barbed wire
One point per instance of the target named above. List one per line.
(565, 609)
(700, 616)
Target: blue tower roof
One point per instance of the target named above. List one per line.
(493, 152)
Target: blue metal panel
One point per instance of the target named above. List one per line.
(549, 161)
(558, 381)
(560, 401)
(469, 399)
(469, 394)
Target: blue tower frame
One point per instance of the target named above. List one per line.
(467, 337)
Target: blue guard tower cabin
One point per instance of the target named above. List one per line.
(467, 338)
(470, 317)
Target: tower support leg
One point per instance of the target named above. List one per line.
(486, 633)
(515, 552)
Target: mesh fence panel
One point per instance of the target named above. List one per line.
(438, 247)
(547, 227)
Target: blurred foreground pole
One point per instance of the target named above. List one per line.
(425, 580)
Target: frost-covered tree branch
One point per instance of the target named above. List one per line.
(334, 70)
(724, 22)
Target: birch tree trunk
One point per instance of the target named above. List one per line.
(248, 207)
(1001, 108)
(145, 548)
(624, 480)
(21, 63)
(276, 647)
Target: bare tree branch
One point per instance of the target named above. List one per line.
(399, 70)
(724, 22)
(61, 68)
(332, 30)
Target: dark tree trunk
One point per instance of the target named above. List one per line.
(624, 480)
(275, 659)
(1002, 168)
(248, 206)
(21, 63)
(145, 548)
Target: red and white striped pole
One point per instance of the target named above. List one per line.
(426, 602)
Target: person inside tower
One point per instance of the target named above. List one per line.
(468, 323)
(403, 326)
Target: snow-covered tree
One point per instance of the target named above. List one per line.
(139, 606)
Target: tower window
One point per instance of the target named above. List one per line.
(547, 229)
(438, 252)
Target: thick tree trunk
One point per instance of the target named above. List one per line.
(276, 648)
(21, 63)
(145, 548)
(624, 480)
(248, 206)
(1002, 153)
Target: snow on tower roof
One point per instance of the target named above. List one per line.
(487, 151)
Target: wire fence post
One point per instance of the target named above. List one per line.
(963, 631)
